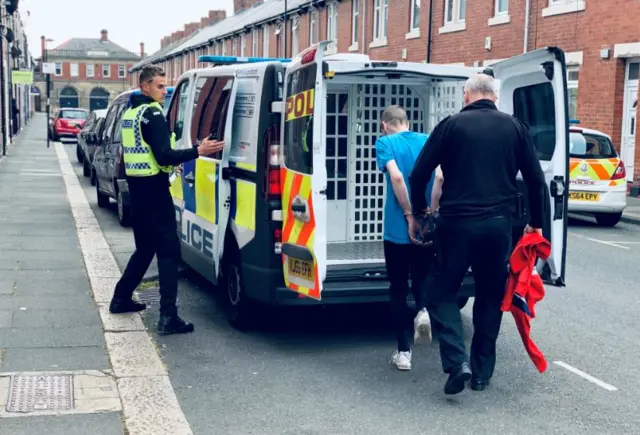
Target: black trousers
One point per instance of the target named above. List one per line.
(404, 261)
(485, 245)
(155, 233)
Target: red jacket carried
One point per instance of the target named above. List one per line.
(525, 289)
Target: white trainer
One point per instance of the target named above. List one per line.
(422, 327)
(402, 360)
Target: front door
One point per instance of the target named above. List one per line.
(629, 120)
(533, 87)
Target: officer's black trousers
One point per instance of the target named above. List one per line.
(485, 245)
(155, 233)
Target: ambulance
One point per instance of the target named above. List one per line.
(291, 211)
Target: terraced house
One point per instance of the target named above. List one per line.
(601, 41)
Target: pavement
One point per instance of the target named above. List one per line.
(631, 214)
(306, 371)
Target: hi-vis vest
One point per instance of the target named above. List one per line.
(139, 160)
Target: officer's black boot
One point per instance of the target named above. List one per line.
(173, 324)
(119, 306)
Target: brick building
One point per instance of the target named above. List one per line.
(601, 41)
(89, 72)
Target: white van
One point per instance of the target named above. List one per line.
(291, 211)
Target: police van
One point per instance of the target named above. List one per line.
(291, 211)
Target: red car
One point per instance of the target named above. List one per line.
(67, 123)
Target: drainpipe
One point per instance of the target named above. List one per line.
(430, 31)
(364, 24)
(526, 25)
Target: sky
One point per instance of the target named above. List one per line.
(129, 22)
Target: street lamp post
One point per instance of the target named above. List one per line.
(48, 79)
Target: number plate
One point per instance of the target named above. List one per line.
(584, 196)
(301, 269)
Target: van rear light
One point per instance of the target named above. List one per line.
(277, 241)
(309, 56)
(272, 161)
(274, 181)
(620, 172)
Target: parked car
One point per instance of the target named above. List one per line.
(67, 123)
(86, 139)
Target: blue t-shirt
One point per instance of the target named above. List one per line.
(404, 148)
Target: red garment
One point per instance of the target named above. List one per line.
(525, 289)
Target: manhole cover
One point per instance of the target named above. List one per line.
(40, 393)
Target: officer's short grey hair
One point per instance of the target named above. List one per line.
(481, 84)
(394, 115)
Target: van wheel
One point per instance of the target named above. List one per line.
(124, 214)
(462, 302)
(240, 311)
(86, 169)
(608, 219)
(103, 199)
(94, 178)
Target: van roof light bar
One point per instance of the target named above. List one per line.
(574, 121)
(232, 60)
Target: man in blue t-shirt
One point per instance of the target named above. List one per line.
(396, 152)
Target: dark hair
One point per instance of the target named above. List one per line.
(149, 72)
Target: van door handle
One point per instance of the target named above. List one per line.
(298, 208)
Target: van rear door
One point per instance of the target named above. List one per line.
(533, 87)
(304, 175)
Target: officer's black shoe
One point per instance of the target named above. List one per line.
(479, 384)
(457, 379)
(119, 306)
(173, 325)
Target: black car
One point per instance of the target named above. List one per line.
(87, 138)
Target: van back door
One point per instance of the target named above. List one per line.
(304, 175)
(533, 87)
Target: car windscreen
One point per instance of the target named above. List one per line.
(591, 146)
(73, 114)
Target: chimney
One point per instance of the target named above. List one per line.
(104, 35)
(240, 5)
(215, 16)
(204, 22)
(142, 50)
(43, 44)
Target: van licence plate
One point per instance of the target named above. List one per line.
(584, 196)
(301, 269)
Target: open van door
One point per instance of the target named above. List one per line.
(304, 174)
(533, 88)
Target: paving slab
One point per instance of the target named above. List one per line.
(76, 336)
(41, 318)
(48, 358)
(81, 424)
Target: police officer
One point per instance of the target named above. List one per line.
(480, 151)
(149, 158)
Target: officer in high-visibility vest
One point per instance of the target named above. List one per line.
(149, 159)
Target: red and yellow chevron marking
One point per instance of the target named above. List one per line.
(595, 169)
(300, 105)
(296, 232)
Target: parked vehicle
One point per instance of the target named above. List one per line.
(67, 123)
(291, 211)
(87, 139)
(597, 175)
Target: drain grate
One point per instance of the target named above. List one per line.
(148, 296)
(40, 393)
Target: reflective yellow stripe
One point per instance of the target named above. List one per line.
(206, 189)
(246, 166)
(246, 204)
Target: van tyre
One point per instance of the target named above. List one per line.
(608, 219)
(124, 213)
(79, 154)
(240, 311)
(103, 199)
(86, 168)
(93, 177)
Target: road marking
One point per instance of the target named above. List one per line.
(149, 403)
(615, 245)
(586, 376)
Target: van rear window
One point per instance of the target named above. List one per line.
(535, 106)
(591, 146)
(298, 126)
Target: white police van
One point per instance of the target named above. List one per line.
(291, 211)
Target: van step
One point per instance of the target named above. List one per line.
(356, 251)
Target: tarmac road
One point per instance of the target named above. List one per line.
(326, 371)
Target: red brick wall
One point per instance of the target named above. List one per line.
(82, 71)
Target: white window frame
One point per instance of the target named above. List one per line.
(559, 7)
(234, 47)
(58, 67)
(499, 17)
(415, 4)
(254, 42)
(122, 71)
(313, 27)
(106, 67)
(266, 36)
(458, 16)
(279, 42)
(332, 27)
(91, 70)
(573, 84)
(295, 35)
(355, 24)
(380, 21)
(74, 68)
(243, 45)
(223, 51)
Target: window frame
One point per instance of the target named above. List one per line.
(497, 12)
(58, 74)
(106, 67)
(199, 118)
(380, 20)
(243, 44)
(266, 37)
(90, 67)
(332, 26)
(254, 42)
(573, 84)
(355, 24)
(175, 105)
(295, 35)
(412, 15)
(313, 27)
(122, 71)
(456, 12)
(77, 69)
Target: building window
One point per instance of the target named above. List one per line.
(502, 7)
(265, 40)
(558, 7)
(278, 33)
(106, 70)
(91, 70)
(243, 45)
(313, 27)
(380, 16)
(332, 27)
(415, 15)
(455, 11)
(295, 35)
(224, 48)
(573, 76)
(75, 72)
(58, 68)
(634, 71)
(254, 42)
(122, 72)
(355, 15)
(234, 47)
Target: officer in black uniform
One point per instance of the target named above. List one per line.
(149, 158)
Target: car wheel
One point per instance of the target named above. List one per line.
(608, 219)
(79, 154)
(86, 168)
(240, 311)
(124, 213)
(103, 199)
(462, 302)
(93, 177)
